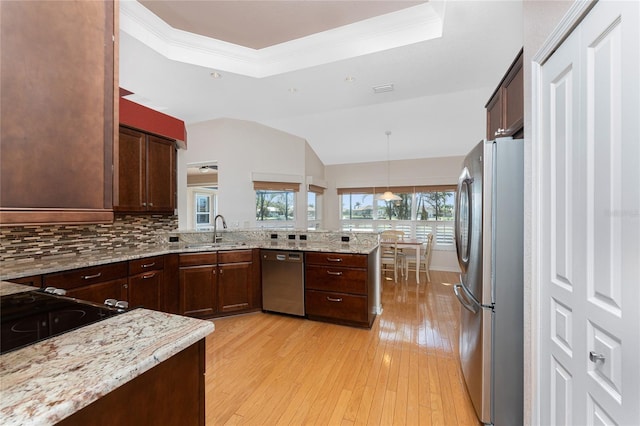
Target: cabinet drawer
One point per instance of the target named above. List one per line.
(235, 256)
(85, 276)
(199, 259)
(147, 264)
(337, 259)
(99, 292)
(344, 280)
(337, 306)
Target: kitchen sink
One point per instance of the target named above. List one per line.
(214, 245)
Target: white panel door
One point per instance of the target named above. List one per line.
(590, 222)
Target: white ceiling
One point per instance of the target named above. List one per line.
(441, 84)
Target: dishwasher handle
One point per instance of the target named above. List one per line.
(281, 257)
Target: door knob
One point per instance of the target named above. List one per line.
(596, 357)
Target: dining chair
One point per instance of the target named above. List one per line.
(425, 258)
(391, 258)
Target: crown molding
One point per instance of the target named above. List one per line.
(400, 28)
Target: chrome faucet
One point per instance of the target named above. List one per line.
(215, 228)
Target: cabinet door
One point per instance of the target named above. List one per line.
(197, 291)
(144, 290)
(99, 292)
(131, 187)
(57, 86)
(494, 116)
(161, 174)
(234, 287)
(513, 102)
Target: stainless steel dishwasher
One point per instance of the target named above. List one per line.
(283, 281)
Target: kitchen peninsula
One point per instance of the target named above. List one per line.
(120, 274)
(73, 374)
(105, 370)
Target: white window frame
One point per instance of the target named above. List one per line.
(212, 194)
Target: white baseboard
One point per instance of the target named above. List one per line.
(444, 268)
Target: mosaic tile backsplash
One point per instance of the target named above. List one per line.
(128, 231)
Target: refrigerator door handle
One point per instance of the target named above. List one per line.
(463, 236)
(472, 307)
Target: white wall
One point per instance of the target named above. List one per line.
(241, 148)
(423, 171)
(539, 20)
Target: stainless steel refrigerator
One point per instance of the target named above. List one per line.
(489, 244)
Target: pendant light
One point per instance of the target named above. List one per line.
(388, 195)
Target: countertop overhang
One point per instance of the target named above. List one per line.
(48, 381)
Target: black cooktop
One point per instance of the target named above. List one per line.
(32, 316)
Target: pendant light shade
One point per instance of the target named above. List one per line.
(388, 195)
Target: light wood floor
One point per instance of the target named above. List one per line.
(268, 369)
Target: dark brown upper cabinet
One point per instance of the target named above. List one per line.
(145, 173)
(57, 88)
(505, 109)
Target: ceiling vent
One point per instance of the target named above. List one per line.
(383, 88)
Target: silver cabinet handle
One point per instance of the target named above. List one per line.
(151, 204)
(149, 265)
(89, 277)
(596, 357)
(499, 132)
(334, 273)
(334, 259)
(151, 275)
(331, 299)
(144, 204)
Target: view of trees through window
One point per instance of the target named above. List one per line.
(416, 213)
(429, 206)
(275, 205)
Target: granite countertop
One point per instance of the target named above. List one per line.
(45, 382)
(7, 288)
(51, 264)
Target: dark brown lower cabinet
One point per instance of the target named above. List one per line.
(145, 290)
(234, 287)
(219, 283)
(93, 284)
(340, 288)
(99, 292)
(146, 283)
(198, 291)
(140, 282)
(340, 307)
(172, 393)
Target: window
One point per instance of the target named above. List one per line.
(421, 211)
(396, 210)
(275, 204)
(357, 206)
(314, 210)
(203, 209)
